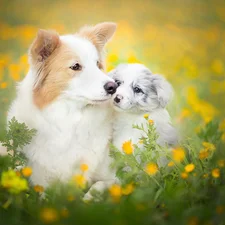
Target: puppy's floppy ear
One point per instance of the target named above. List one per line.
(99, 34)
(43, 46)
(162, 88)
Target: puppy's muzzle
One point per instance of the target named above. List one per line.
(110, 87)
(118, 98)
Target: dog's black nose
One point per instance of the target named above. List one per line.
(110, 87)
(118, 98)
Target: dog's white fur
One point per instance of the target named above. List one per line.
(76, 126)
(155, 95)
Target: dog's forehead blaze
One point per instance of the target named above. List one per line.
(54, 76)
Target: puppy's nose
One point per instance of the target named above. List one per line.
(110, 87)
(118, 98)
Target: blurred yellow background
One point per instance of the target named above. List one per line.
(183, 40)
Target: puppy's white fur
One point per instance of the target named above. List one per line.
(155, 93)
(75, 126)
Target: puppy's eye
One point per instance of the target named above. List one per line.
(118, 82)
(138, 90)
(76, 67)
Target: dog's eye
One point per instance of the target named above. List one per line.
(99, 65)
(118, 82)
(138, 90)
(76, 67)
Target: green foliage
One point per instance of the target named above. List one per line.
(211, 132)
(17, 136)
(131, 167)
(161, 196)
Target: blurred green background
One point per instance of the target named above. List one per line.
(183, 40)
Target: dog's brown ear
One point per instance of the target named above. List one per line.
(99, 34)
(43, 46)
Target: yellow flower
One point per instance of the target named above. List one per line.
(80, 180)
(146, 116)
(203, 154)
(223, 138)
(178, 154)
(151, 121)
(18, 173)
(184, 175)
(38, 188)
(3, 85)
(112, 58)
(27, 171)
(170, 164)
(209, 146)
(128, 189)
(151, 168)
(184, 114)
(127, 147)
(84, 167)
(189, 168)
(24, 59)
(49, 215)
(116, 192)
(14, 71)
(216, 173)
(222, 125)
(109, 68)
(206, 110)
(197, 129)
(132, 59)
(221, 163)
(217, 66)
(13, 183)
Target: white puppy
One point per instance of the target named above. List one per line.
(65, 96)
(140, 92)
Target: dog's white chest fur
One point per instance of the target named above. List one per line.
(57, 151)
(67, 136)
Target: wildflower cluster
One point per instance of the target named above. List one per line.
(13, 182)
(143, 177)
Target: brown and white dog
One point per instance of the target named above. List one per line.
(65, 97)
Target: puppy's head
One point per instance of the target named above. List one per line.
(138, 89)
(71, 66)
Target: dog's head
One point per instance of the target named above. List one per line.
(71, 66)
(138, 89)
